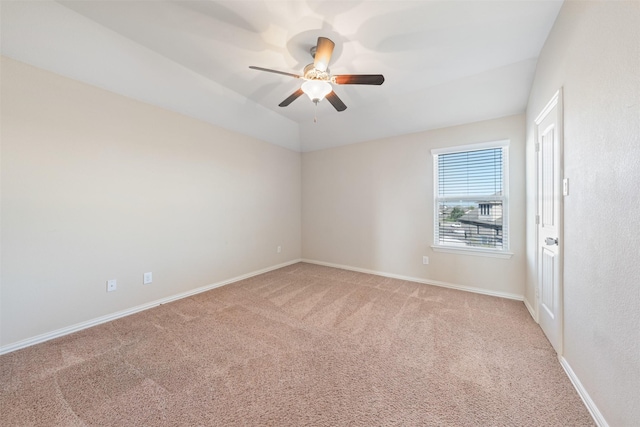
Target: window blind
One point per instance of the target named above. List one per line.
(470, 173)
(471, 200)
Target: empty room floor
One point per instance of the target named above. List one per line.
(301, 345)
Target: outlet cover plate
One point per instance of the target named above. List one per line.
(148, 278)
(112, 285)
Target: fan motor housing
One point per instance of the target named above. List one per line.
(312, 73)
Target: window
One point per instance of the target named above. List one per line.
(471, 199)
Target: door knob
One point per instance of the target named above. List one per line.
(551, 241)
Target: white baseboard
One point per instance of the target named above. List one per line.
(423, 281)
(532, 312)
(113, 316)
(591, 406)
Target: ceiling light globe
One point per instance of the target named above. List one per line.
(316, 90)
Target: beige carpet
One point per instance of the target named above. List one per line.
(303, 345)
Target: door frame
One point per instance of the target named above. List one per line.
(556, 101)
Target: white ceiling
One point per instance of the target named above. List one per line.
(445, 62)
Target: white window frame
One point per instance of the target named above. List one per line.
(489, 252)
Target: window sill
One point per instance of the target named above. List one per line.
(472, 251)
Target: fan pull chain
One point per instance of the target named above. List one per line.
(315, 112)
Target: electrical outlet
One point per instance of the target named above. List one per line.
(279, 249)
(425, 260)
(148, 278)
(111, 285)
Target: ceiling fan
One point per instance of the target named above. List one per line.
(318, 77)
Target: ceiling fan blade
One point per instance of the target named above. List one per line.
(269, 70)
(324, 49)
(335, 101)
(291, 98)
(359, 79)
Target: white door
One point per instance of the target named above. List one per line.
(549, 218)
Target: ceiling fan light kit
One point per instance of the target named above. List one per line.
(316, 90)
(318, 77)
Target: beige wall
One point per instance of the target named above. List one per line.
(593, 53)
(96, 186)
(370, 206)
